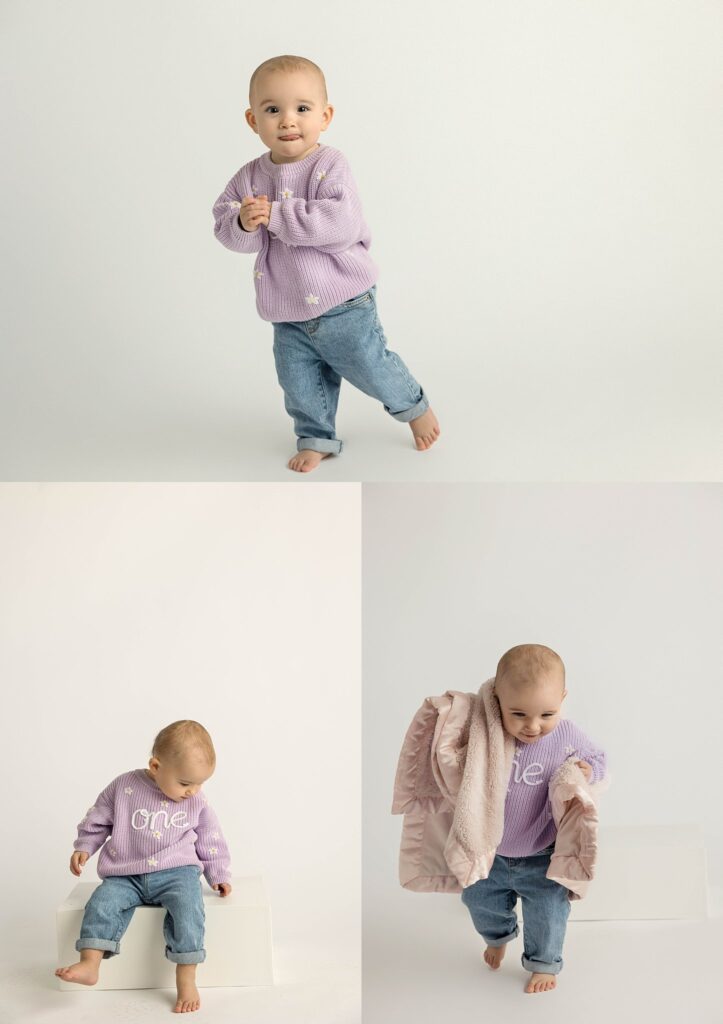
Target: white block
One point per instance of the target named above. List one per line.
(237, 941)
(646, 872)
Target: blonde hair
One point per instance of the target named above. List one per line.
(288, 62)
(529, 660)
(179, 738)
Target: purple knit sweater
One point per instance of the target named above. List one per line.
(315, 252)
(138, 829)
(529, 825)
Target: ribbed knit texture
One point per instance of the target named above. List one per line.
(315, 252)
(529, 825)
(134, 839)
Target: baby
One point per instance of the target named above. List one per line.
(152, 854)
(530, 688)
(298, 207)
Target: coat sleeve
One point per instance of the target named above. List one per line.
(97, 824)
(332, 222)
(211, 848)
(227, 228)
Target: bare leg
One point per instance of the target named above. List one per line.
(85, 972)
(188, 997)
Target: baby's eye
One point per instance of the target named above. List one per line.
(301, 107)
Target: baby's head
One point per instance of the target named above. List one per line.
(530, 688)
(182, 759)
(287, 96)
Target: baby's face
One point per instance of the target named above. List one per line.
(181, 778)
(531, 708)
(288, 103)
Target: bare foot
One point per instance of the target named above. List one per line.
(541, 982)
(83, 973)
(188, 997)
(306, 460)
(425, 429)
(494, 955)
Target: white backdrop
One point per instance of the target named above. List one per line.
(540, 179)
(624, 582)
(124, 607)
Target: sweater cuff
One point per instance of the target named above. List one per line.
(275, 221)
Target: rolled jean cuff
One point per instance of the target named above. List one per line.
(537, 966)
(412, 414)
(503, 942)
(197, 957)
(109, 947)
(320, 444)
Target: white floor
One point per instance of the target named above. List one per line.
(311, 988)
(662, 971)
(505, 416)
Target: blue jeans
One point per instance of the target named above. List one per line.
(109, 910)
(347, 341)
(491, 902)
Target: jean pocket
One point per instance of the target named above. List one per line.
(358, 300)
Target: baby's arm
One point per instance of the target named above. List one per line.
(332, 222)
(226, 212)
(213, 852)
(94, 829)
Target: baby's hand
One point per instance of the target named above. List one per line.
(77, 861)
(585, 768)
(223, 887)
(255, 211)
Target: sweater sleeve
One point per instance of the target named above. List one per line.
(333, 221)
(227, 227)
(97, 824)
(595, 757)
(211, 848)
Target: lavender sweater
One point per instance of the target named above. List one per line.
(315, 252)
(139, 829)
(529, 825)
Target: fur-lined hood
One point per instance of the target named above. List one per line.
(450, 785)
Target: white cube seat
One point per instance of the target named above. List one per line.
(237, 941)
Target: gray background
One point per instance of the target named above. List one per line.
(623, 581)
(541, 181)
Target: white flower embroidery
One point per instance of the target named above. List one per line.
(258, 273)
(153, 862)
(157, 834)
(215, 835)
(213, 850)
(164, 803)
(234, 204)
(128, 790)
(312, 300)
(287, 193)
(321, 175)
(570, 750)
(112, 853)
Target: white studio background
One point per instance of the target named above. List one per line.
(124, 607)
(540, 179)
(624, 582)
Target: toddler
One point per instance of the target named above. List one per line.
(297, 206)
(530, 688)
(153, 854)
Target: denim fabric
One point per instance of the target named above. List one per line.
(312, 357)
(545, 906)
(109, 910)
